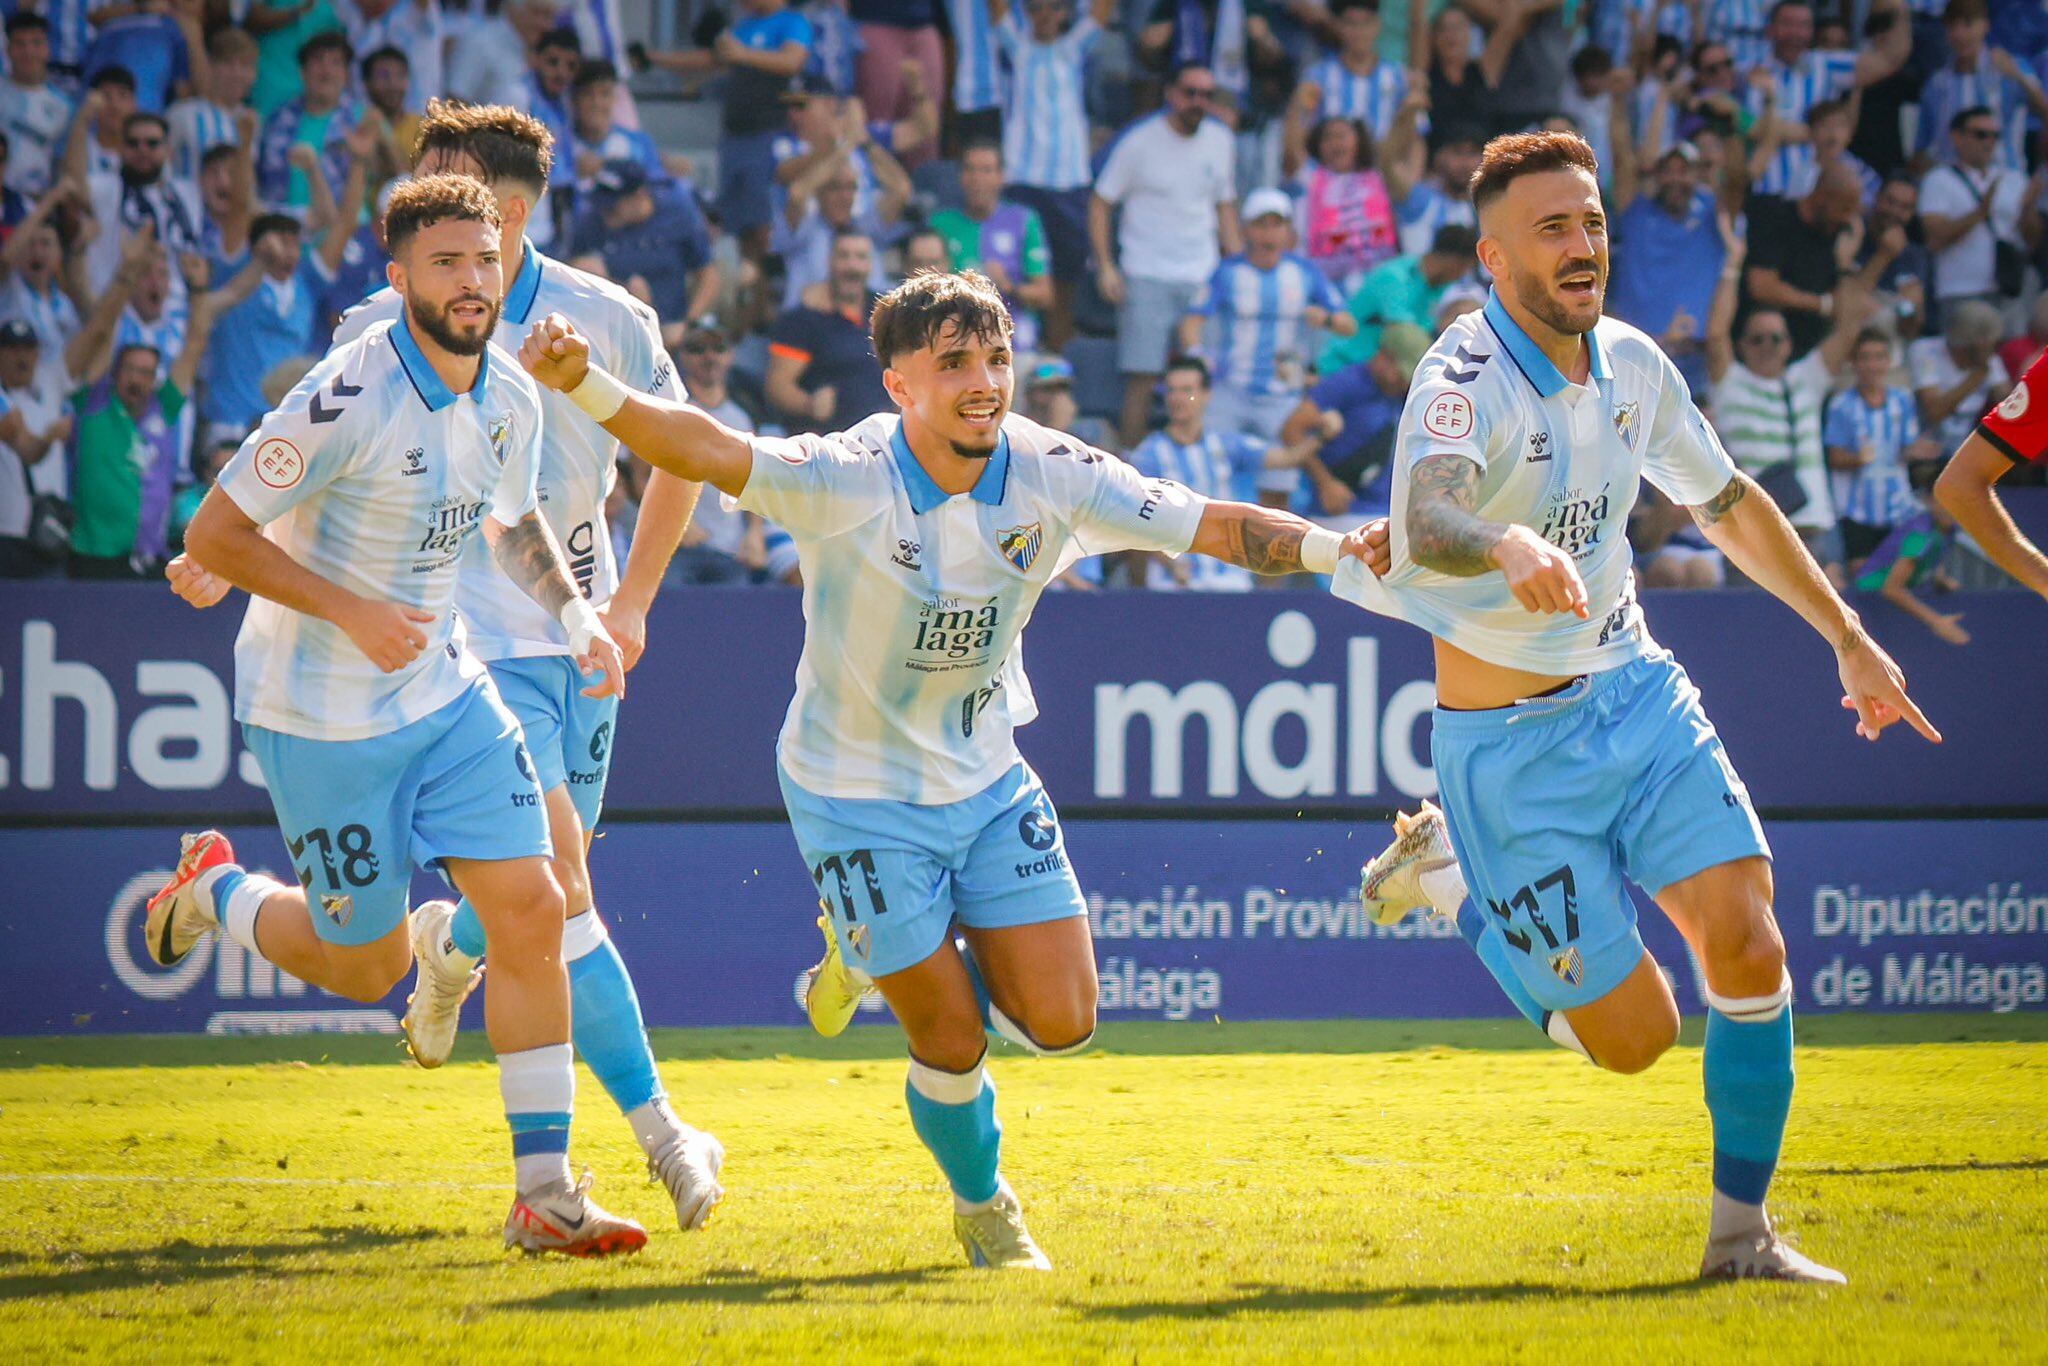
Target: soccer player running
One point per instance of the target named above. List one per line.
(570, 734)
(926, 539)
(2013, 433)
(383, 741)
(1571, 750)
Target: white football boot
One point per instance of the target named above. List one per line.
(1763, 1256)
(179, 916)
(444, 976)
(563, 1218)
(688, 1165)
(832, 990)
(1391, 885)
(996, 1239)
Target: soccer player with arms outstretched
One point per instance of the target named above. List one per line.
(382, 740)
(2013, 433)
(926, 540)
(1571, 750)
(570, 734)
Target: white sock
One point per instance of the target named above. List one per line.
(537, 1081)
(582, 935)
(977, 1206)
(655, 1125)
(1734, 1219)
(1445, 888)
(1561, 1032)
(238, 917)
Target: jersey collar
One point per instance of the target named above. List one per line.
(525, 285)
(425, 382)
(925, 495)
(1543, 376)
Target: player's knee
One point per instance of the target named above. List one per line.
(1062, 1028)
(573, 878)
(526, 924)
(367, 975)
(1638, 1049)
(949, 1044)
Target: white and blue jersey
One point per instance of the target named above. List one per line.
(1614, 24)
(36, 120)
(1373, 98)
(1045, 123)
(375, 476)
(1258, 342)
(1879, 493)
(619, 144)
(1562, 459)
(1949, 92)
(1815, 79)
(70, 31)
(1219, 466)
(978, 76)
(1426, 209)
(197, 127)
(1740, 24)
(578, 458)
(835, 44)
(911, 681)
(414, 29)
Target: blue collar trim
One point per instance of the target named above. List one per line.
(425, 382)
(525, 285)
(1537, 368)
(926, 495)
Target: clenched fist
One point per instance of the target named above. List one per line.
(556, 354)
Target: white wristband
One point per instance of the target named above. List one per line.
(599, 395)
(581, 621)
(1319, 551)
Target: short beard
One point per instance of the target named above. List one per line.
(967, 452)
(1536, 298)
(434, 322)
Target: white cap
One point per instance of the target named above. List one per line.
(1259, 203)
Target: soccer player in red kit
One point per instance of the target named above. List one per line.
(2013, 433)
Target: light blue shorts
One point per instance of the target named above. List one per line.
(568, 735)
(1554, 801)
(360, 815)
(893, 876)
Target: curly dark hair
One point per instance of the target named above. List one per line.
(421, 203)
(504, 143)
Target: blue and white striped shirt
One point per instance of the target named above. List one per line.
(977, 74)
(1878, 494)
(835, 44)
(1740, 24)
(1949, 92)
(70, 30)
(1045, 121)
(166, 334)
(416, 31)
(1374, 97)
(197, 127)
(1257, 339)
(1817, 78)
(1614, 23)
(1221, 466)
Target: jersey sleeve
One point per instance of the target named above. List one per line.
(291, 457)
(639, 360)
(813, 485)
(1443, 417)
(2018, 426)
(356, 320)
(1682, 456)
(1116, 508)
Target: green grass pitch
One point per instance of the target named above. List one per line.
(1209, 1192)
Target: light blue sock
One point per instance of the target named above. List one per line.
(467, 929)
(605, 1018)
(1486, 941)
(1749, 1095)
(955, 1114)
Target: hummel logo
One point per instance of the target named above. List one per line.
(906, 555)
(1539, 447)
(415, 462)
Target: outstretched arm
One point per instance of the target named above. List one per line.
(1965, 489)
(1269, 541)
(1747, 527)
(1446, 534)
(531, 558)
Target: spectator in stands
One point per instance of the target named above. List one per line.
(411, 28)
(34, 255)
(1910, 557)
(597, 136)
(1049, 401)
(822, 374)
(210, 118)
(1713, 99)
(1977, 76)
(488, 62)
(1443, 197)
(32, 468)
(1223, 37)
(154, 44)
(651, 238)
(1830, 125)
(1589, 98)
(282, 315)
(1045, 133)
(1903, 286)
(544, 94)
(1976, 213)
(1670, 551)
(1667, 260)
(1796, 253)
(387, 87)
(1407, 289)
(896, 35)
(227, 199)
(1001, 238)
(925, 249)
(139, 195)
(762, 53)
(99, 135)
(1538, 64)
(1345, 426)
(1173, 175)
(823, 203)
(2019, 353)
(1352, 82)
(281, 29)
(714, 541)
(1257, 322)
(1343, 205)
(1767, 407)
(1459, 82)
(1872, 433)
(32, 111)
(979, 80)
(1957, 376)
(1798, 77)
(320, 119)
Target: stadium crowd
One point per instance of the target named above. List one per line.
(1228, 229)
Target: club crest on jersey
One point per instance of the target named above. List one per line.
(339, 906)
(1020, 545)
(1625, 423)
(2015, 406)
(501, 427)
(1569, 967)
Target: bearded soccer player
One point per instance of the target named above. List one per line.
(1571, 750)
(926, 539)
(381, 737)
(2013, 433)
(570, 734)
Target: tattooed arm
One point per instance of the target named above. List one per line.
(1747, 527)
(1268, 540)
(530, 556)
(1446, 534)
